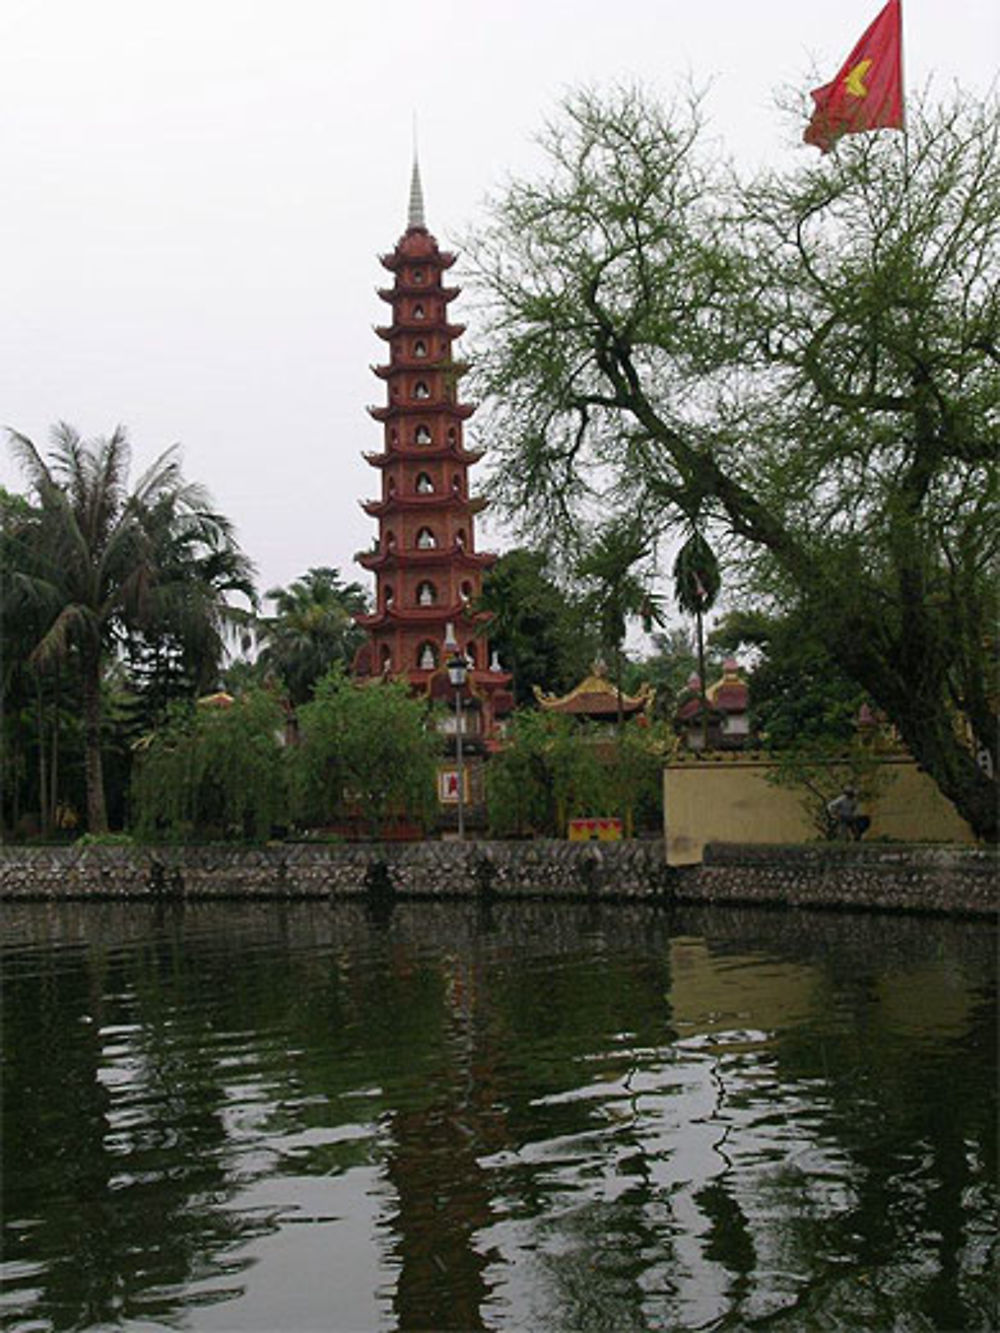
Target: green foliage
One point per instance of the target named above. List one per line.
(213, 773)
(799, 695)
(543, 777)
(537, 628)
(615, 590)
(697, 580)
(105, 840)
(365, 752)
(818, 771)
(312, 629)
(553, 769)
(805, 363)
(97, 565)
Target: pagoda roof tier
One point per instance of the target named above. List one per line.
(387, 331)
(417, 617)
(420, 407)
(390, 294)
(398, 504)
(417, 557)
(432, 255)
(595, 697)
(454, 368)
(430, 452)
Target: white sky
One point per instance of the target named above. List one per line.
(194, 195)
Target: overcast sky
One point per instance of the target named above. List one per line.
(195, 194)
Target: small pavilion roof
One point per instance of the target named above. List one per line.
(596, 697)
(728, 694)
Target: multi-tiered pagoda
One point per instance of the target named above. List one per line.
(428, 573)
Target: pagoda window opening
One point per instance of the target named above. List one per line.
(418, 275)
(422, 435)
(385, 656)
(390, 485)
(388, 596)
(465, 592)
(421, 391)
(452, 436)
(460, 539)
(424, 484)
(426, 541)
(470, 654)
(456, 484)
(418, 312)
(420, 349)
(426, 593)
(427, 656)
(390, 540)
(394, 436)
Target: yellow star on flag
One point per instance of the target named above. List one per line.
(854, 83)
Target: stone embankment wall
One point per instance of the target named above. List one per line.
(884, 876)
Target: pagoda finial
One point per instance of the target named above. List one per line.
(416, 216)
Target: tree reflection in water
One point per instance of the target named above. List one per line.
(223, 1116)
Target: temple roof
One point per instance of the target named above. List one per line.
(596, 697)
(728, 694)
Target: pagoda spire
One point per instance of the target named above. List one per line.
(416, 214)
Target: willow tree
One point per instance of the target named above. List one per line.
(102, 561)
(809, 361)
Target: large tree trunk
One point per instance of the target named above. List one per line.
(937, 747)
(97, 816)
(918, 705)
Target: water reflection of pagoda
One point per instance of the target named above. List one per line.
(427, 570)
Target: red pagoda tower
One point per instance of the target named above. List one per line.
(428, 573)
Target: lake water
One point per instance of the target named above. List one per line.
(535, 1117)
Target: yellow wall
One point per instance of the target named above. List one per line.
(728, 799)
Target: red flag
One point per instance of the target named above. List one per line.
(867, 93)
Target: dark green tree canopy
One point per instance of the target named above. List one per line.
(806, 364)
(538, 628)
(311, 630)
(97, 563)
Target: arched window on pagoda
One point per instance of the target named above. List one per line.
(418, 275)
(470, 655)
(390, 486)
(452, 435)
(427, 656)
(460, 539)
(456, 484)
(426, 541)
(385, 657)
(418, 312)
(390, 540)
(394, 436)
(425, 485)
(421, 391)
(426, 593)
(388, 596)
(420, 348)
(422, 435)
(465, 592)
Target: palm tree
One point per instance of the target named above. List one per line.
(103, 562)
(616, 592)
(696, 586)
(180, 647)
(312, 629)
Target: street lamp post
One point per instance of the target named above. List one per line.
(457, 673)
